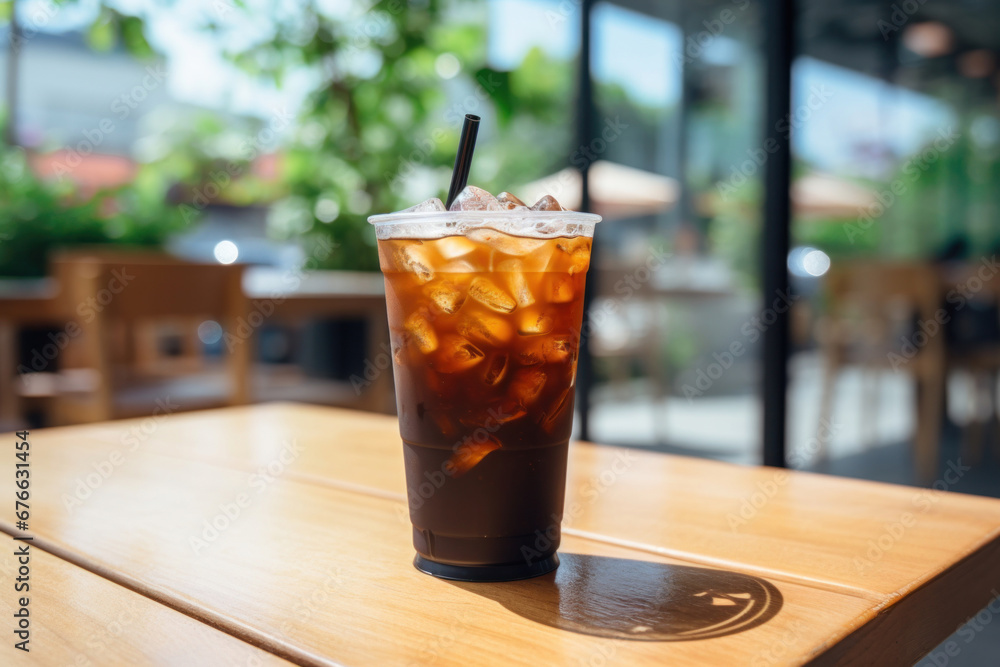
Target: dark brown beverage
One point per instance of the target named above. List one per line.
(485, 331)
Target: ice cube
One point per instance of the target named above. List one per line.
(579, 263)
(506, 411)
(496, 369)
(574, 245)
(422, 332)
(514, 270)
(398, 355)
(432, 204)
(533, 323)
(494, 414)
(444, 424)
(490, 295)
(456, 354)
(557, 350)
(561, 289)
(505, 243)
(468, 454)
(412, 257)
(546, 350)
(519, 286)
(485, 329)
(532, 355)
(459, 266)
(549, 417)
(451, 247)
(546, 203)
(578, 250)
(526, 385)
(445, 296)
(510, 202)
(434, 381)
(475, 199)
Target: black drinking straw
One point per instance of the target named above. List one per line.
(463, 159)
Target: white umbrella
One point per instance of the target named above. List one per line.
(616, 191)
(826, 196)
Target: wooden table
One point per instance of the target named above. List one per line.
(280, 532)
(288, 297)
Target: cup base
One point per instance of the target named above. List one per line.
(485, 573)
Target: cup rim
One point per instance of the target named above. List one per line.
(438, 217)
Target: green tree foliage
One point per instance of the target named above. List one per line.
(379, 130)
(37, 217)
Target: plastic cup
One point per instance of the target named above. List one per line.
(485, 310)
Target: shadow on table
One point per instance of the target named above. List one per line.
(632, 599)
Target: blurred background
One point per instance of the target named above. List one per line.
(223, 157)
(184, 186)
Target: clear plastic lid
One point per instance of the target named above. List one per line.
(526, 223)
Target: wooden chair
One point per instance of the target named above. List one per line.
(630, 334)
(112, 369)
(872, 307)
(980, 361)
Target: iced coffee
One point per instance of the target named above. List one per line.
(485, 304)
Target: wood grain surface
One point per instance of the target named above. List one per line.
(309, 556)
(78, 619)
(837, 533)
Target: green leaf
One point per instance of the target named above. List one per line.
(135, 40)
(497, 86)
(102, 34)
